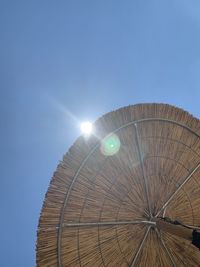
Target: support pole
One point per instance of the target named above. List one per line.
(192, 235)
(173, 229)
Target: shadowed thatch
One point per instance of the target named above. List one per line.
(99, 207)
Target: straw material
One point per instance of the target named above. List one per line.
(93, 198)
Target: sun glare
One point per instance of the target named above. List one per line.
(86, 127)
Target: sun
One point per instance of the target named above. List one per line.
(86, 127)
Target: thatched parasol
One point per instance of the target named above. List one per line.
(129, 195)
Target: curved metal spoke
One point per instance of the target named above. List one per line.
(140, 247)
(165, 247)
(143, 169)
(106, 223)
(178, 189)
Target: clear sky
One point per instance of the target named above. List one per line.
(65, 61)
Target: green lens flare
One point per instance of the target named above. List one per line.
(110, 145)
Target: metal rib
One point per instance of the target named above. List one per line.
(65, 203)
(157, 119)
(107, 223)
(140, 247)
(165, 247)
(164, 212)
(143, 170)
(178, 189)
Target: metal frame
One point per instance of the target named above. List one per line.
(164, 211)
(143, 169)
(107, 223)
(65, 203)
(84, 162)
(140, 247)
(165, 247)
(178, 189)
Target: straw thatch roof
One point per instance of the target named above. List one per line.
(142, 161)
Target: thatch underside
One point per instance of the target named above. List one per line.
(158, 158)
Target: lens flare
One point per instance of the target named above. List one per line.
(110, 145)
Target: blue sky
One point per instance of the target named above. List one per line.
(62, 62)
